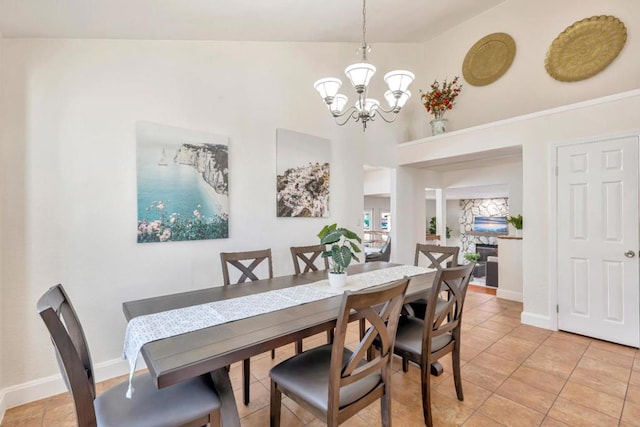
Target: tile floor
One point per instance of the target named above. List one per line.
(513, 375)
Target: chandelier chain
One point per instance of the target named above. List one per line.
(364, 22)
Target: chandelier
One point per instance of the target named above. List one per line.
(365, 109)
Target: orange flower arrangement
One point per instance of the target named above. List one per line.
(439, 100)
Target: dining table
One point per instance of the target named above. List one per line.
(210, 350)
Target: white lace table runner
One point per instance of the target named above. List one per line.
(152, 327)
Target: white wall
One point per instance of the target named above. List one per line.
(539, 134)
(526, 87)
(68, 209)
(377, 182)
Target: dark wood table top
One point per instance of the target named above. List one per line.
(175, 359)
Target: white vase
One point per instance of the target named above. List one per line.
(438, 126)
(337, 280)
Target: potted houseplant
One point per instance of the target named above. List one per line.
(432, 227)
(438, 100)
(472, 256)
(342, 248)
(516, 221)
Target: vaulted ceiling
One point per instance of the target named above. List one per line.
(256, 20)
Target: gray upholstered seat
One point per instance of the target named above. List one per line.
(306, 375)
(168, 407)
(194, 402)
(335, 383)
(409, 336)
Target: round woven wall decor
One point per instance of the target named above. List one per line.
(488, 59)
(585, 48)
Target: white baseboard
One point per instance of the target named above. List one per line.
(537, 320)
(510, 295)
(49, 386)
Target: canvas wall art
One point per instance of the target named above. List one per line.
(182, 178)
(302, 175)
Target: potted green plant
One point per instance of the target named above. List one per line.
(472, 256)
(342, 248)
(516, 221)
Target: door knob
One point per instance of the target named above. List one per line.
(629, 254)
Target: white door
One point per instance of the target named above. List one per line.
(598, 283)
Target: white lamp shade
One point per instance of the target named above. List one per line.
(399, 80)
(397, 102)
(370, 105)
(338, 104)
(360, 74)
(328, 88)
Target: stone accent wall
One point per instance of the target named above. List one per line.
(478, 207)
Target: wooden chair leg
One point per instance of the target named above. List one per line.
(405, 364)
(457, 378)
(299, 347)
(426, 396)
(246, 376)
(385, 407)
(276, 402)
(273, 354)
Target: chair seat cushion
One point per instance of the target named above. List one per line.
(307, 375)
(420, 306)
(409, 336)
(171, 406)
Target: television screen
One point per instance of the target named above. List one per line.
(490, 224)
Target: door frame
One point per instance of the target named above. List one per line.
(553, 211)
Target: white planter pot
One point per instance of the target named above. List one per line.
(337, 280)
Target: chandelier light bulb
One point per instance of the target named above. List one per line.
(338, 104)
(360, 75)
(328, 88)
(399, 80)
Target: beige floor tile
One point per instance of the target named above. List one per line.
(260, 418)
(448, 411)
(575, 414)
(479, 420)
(510, 413)
(63, 415)
(482, 377)
(615, 348)
(496, 326)
(496, 364)
(474, 395)
(530, 333)
(514, 349)
(616, 372)
(25, 413)
(488, 334)
(595, 399)
(609, 357)
(552, 422)
(527, 395)
(635, 377)
(599, 381)
(631, 414)
(259, 398)
(542, 380)
(633, 394)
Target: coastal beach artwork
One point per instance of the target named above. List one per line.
(302, 175)
(182, 183)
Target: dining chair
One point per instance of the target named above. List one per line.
(333, 382)
(193, 402)
(246, 263)
(383, 255)
(438, 257)
(308, 256)
(424, 341)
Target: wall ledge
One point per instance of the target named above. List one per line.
(525, 117)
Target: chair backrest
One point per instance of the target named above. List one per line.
(445, 317)
(385, 251)
(437, 256)
(308, 256)
(236, 258)
(72, 352)
(381, 307)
